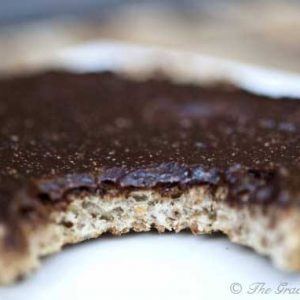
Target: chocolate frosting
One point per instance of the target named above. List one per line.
(61, 131)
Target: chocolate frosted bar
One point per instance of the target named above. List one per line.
(81, 155)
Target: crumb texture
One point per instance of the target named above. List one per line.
(87, 216)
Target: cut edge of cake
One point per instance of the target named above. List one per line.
(269, 230)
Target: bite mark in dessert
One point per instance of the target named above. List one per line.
(85, 154)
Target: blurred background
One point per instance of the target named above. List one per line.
(261, 32)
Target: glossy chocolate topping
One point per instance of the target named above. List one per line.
(62, 131)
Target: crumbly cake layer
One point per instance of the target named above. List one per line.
(271, 232)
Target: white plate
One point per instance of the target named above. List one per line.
(151, 265)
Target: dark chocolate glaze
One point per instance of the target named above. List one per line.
(62, 131)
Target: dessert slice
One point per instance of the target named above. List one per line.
(81, 155)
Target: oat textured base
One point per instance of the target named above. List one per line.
(268, 230)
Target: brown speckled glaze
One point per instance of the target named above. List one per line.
(62, 131)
